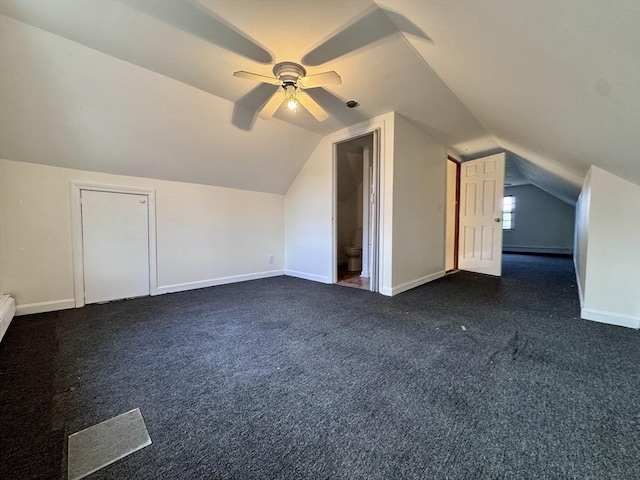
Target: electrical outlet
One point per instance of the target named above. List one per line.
(272, 259)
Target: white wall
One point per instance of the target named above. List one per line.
(543, 223)
(309, 207)
(205, 235)
(411, 253)
(419, 184)
(608, 249)
(308, 210)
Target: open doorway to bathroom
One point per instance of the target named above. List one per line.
(356, 212)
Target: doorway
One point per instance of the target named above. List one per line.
(356, 207)
(113, 243)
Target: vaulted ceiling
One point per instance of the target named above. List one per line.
(554, 84)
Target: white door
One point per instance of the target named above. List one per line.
(115, 244)
(481, 192)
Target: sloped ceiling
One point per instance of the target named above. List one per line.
(555, 84)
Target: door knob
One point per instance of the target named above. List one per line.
(497, 220)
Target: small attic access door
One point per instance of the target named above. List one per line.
(481, 192)
(114, 247)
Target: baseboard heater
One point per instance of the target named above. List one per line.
(538, 250)
(7, 311)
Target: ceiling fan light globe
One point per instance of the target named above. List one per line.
(291, 97)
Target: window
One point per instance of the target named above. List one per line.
(508, 207)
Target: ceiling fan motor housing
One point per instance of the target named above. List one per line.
(289, 72)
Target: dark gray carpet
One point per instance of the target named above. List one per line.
(288, 379)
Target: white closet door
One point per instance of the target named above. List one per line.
(115, 241)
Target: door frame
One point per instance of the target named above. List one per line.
(76, 189)
(367, 178)
(375, 223)
(456, 220)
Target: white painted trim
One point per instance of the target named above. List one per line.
(377, 161)
(366, 210)
(386, 291)
(76, 232)
(528, 249)
(7, 312)
(359, 130)
(611, 318)
(42, 307)
(575, 269)
(212, 282)
(308, 276)
(334, 214)
(412, 284)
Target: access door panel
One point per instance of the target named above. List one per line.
(115, 242)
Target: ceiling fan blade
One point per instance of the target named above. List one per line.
(257, 78)
(320, 80)
(314, 109)
(272, 105)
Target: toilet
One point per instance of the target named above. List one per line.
(354, 252)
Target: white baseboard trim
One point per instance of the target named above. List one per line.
(610, 318)
(390, 292)
(42, 307)
(7, 311)
(527, 249)
(628, 321)
(307, 276)
(213, 282)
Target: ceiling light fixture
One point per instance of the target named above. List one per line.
(293, 79)
(291, 97)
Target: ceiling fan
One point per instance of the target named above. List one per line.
(293, 79)
(195, 18)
